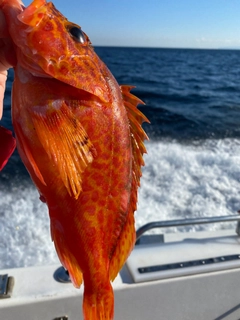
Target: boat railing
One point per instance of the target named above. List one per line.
(186, 222)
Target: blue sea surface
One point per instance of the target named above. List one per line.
(189, 94)
(192, 169)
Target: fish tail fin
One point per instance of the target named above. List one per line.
(98, 304)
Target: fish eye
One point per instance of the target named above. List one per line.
(77, 34)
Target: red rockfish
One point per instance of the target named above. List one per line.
(79, 135)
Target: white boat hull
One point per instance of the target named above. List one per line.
(212, 293)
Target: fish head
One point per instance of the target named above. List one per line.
(49, 45)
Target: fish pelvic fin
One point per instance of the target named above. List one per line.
(98, 304)
(28, 154)
(127, 237)
(66, 143)
(7, 146)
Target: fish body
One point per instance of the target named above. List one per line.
(79, 135)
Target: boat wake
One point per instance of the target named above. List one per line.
(179, 181)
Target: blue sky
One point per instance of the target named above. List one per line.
(159, 23)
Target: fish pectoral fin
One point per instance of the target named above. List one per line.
(66, 143)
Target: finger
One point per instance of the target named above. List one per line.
(3, 79)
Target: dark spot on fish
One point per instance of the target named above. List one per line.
(82, 143)
(85, 141)
(77, 34)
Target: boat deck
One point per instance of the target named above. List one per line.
(193, 276)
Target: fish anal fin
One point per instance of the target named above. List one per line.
(124, 246)
(66, 143)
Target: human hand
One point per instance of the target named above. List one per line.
(7, 57)
(7, 60)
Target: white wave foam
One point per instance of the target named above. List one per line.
(24, 230)
(182, 181)
(178, 181)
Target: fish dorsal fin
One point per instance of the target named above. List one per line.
(66, 143)
(127, 238)
(138, 135)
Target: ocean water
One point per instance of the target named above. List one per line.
(192, 168)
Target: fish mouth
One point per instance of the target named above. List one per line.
(29, 15)
(48, 45)
(33, 14)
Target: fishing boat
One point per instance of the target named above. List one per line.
(184, 276)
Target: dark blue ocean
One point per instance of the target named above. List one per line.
(192, 99)
(189, 94)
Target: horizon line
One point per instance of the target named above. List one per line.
(168, 48)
